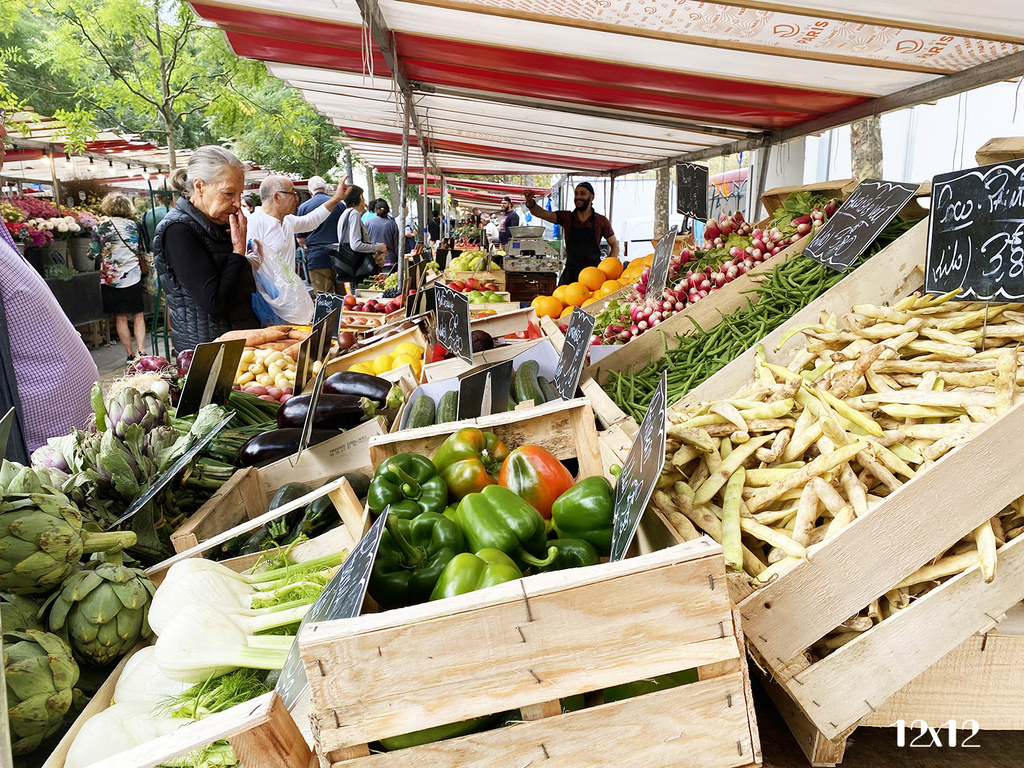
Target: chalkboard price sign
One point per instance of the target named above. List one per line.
(692, 190)
(341, 599)
(976, 233)
(658, 278)
(453, 322)
(869, 210)
(210, 375)
(485, 391)
(640, 472)
(574, 353)
(325, 304)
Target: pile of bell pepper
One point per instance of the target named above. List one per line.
(478, 514)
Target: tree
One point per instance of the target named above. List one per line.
(662, 187)
(866, 148)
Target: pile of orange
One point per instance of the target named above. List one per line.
(594, 283)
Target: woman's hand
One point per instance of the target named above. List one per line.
(238, 231)
(255, 255)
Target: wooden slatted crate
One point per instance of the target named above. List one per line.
(826, 699)
(525, 645)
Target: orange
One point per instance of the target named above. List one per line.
(549, 306)
(560, 293)
(591, 300)
(600, 293)
(536, 301)
(612, 267)
(611, 286)
(566, 312)
(592, 277)
(575, 294)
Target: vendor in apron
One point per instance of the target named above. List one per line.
(583, 228)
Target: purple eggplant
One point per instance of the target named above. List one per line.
(268, 447)
(386, 394)
(332, 411)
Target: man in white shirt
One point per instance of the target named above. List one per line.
(275, 224)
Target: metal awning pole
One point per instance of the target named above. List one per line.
(762, 179)
(403, 182)
(444, 207)
(611, 197)
(421, 229)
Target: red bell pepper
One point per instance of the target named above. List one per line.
(535, 475)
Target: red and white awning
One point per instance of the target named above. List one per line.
(548, 86)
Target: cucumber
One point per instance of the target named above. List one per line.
(278, 529)
(360, 483)
(525, 384)
(421, 413)
(447, 407)
(548, 389)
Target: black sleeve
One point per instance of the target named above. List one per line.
(196, 271)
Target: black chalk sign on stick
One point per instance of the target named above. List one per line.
(484, 391)
(326, 303)
(692, 190)
(314, 347)
(6, 423)
(658, 278)
(211, 374)
(859, 220)
(342, 598)
(976, 233)
(314, 400)
(453, 322)
(640, 472)
(574, 353)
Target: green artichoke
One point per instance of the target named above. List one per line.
(40, 673)
(41, 541)
(18, 612)
(129, 406)
(103, 610)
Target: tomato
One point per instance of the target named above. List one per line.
(535, 475)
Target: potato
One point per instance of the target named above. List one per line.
(273, 357)
(275, 392)
(317, 365)
(264, 380)
(255, 389)
(248, 356)
(274, 369)
(257, 369)
(281, 381)
(245, 378)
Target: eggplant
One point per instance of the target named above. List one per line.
(481, 341)
(268, 447)
(382, 391)
(332, 411)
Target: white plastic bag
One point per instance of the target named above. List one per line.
(281, 288)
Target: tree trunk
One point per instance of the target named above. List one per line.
(371, 191)
(393, 191)
(661, 192)
(866, 148)
(172, 160)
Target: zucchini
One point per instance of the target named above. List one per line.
(321, 516)
(447, 407)
(254, 544)
(278, 529)
(421, 413)
(548, 389)
(525, 384)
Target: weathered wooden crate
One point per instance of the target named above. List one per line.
(246, 495)
(506, 321)
(838, 188)
(939, 506)
(376, 348)
(447, 369)
(496, 276)
(529, 643)
(1000, 150)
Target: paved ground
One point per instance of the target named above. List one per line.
(110, 359)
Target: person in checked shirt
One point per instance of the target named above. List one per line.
(54, 371)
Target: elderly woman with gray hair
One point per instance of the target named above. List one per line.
(116, 243)
(200, 251)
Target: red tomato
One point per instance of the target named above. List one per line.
(535, 475)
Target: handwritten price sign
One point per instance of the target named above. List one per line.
(453, 322)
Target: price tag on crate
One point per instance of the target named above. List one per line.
(176, 468)
(658, 278)
(211, 375)
(453, 322)
(640, 472)
(859, 220)
(341, 599)
(574, 353)
(326, 303)
(485, 391)
(314, 347)
(976, 233)
(692, 190)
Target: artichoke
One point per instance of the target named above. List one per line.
(40, 673)
(50, 456)
(103, 610)
(19, 613)
(41, 541)
(159, 440)
(88, 457)
(129, 406)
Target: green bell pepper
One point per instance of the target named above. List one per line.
(409, 483)
(572, 553)
(498, 519)
(467, 572)
(586, 511)
(411, 557)
(467, 460)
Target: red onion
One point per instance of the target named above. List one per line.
(801, 220)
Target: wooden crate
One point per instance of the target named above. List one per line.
(246, 495)
(494, 276)
(839, 189)
(866, 559)
(447, 369)
(505, 322)
(529, 643)
(378, 347)
(1000, 150)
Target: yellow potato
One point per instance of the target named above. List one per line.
(256, 369)
(317, 365)
(244, 379)
(265, 380)
(248, 356)
(273, 357)
(281, 381)
(274, 369)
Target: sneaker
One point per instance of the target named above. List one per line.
(131, 359)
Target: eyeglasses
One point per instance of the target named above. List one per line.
(293, 192)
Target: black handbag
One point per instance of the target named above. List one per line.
(349, 263)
